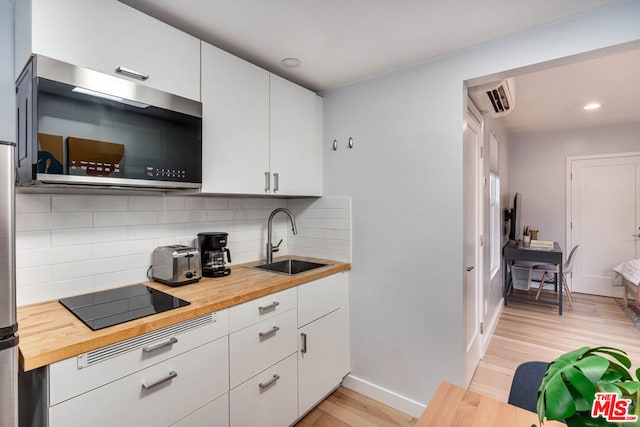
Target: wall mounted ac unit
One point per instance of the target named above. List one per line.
(496, 99)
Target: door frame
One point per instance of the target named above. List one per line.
(569, 194)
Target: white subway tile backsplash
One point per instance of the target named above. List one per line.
(87, 235)
(31, 203)
(33, 276)
(68, 245)
(88, 203)
(120, 278)
(110, 219)
(155, 203)
(247, 203)
(195, 203)
(334, 224)
(52, 256)
(139, 261)
(155, 231)
(33, 240)
(130, 247)
(53, 290)
(216, 203)
(51, 221)
(88, 268)
(175, 217)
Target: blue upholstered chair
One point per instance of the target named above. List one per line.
(525, 385)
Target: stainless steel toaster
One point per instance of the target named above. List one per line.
(175, 265)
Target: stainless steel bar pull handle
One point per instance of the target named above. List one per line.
(271, 332)
(267, 182)
(265, 308)
(132, 73)
(152, 348)
(148, 386)
(276, 180)
(272, 381)
(303, 350)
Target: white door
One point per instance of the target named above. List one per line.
(603, 219)
(471, 283)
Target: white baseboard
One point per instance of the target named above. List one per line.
(381, 394)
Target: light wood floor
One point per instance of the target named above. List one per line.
(524, 332)
(529, 331)
(346, 408)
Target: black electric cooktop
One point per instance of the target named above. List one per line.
(99, 310)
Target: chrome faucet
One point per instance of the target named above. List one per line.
(270, 247)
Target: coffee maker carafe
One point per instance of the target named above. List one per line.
(212, 251)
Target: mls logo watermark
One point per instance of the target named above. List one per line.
(612, 408)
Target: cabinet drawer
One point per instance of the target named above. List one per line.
(254, 348)
(76, 375)
(214, 414)
(268, 399)
(156, 396)
(322, 296)
(260, 309)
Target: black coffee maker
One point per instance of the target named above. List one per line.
(212, 249)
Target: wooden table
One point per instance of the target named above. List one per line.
(453, 406)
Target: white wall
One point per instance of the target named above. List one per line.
(404, 175)
(539, 161)
(68, 245)
(7, 82)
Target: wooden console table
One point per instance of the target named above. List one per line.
(453, 406)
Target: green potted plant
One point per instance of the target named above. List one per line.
(568, 389)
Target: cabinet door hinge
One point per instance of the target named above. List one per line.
(481, 152)
(482, 327)
(481, 240)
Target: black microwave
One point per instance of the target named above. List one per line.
(81, 127)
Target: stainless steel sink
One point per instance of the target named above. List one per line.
(289, 266)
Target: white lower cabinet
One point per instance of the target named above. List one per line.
(214, 414)
(156, 396)
(265, 362)
(323, 320)
(268, 399)
(323, 359)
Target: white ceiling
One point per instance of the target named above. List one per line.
(342, 41)
(553, 99)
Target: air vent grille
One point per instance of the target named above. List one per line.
(499, 100)
(101, 354)
(496, 99)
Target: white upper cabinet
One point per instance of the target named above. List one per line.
(106, 35)
(235, 125)
(295, 139)
(261, 133)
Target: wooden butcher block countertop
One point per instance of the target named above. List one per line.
(50, 333)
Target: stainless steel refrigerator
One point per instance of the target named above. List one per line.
(8, 323)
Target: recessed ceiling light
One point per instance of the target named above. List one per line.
(291, 62)
(592, 106)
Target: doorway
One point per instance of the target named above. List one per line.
(603, 218)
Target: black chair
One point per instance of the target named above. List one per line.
(525, 385)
